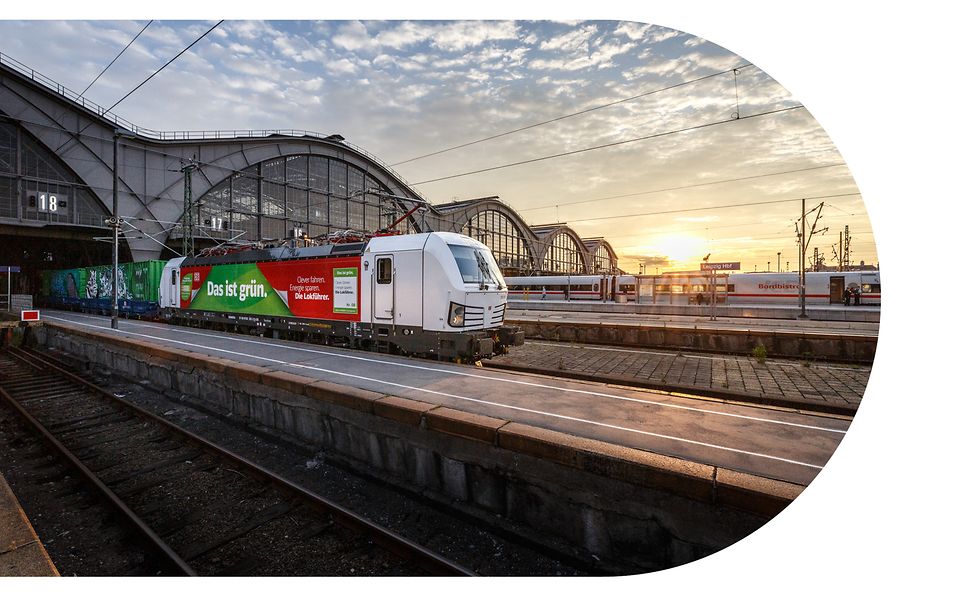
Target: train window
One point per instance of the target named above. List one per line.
(676, 288)
(174, 276)
(466, 258)
(384, 271)
(871, 288)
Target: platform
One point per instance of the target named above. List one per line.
(21, 553)
(843, 341)
(815, 312)
(517, 312)
(822, 387)
(738, 437)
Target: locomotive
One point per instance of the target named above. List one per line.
(435, 294)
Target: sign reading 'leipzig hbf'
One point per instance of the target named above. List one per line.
(724, 265)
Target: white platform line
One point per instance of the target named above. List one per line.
(448, 395)
(486, 377)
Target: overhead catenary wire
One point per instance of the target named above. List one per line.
(711, 207)
(146, 80)
(613, 144)
(447, 219)
(440, 218)
(170, 61)
(82, 93)
(578, 113)
(683, 187)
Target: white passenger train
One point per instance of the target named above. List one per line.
(697, 288)
(439, 294)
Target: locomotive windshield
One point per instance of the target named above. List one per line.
(477, 266)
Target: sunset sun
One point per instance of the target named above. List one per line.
(681, 249)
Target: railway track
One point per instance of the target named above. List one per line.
(202, 509)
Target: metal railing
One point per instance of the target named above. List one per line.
(211, 135)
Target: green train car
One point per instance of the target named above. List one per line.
(91, 288)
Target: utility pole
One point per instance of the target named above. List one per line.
(188, 232)
(779, 255)
(803, 245)
(114, 223)
(841, 269)
(845, 250)
(802, 264)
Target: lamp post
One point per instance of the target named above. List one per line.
(778, 262)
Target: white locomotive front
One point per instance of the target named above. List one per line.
(441, 293)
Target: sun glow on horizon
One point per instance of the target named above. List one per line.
(684, 251)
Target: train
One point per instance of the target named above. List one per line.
(435, 294)
(689, 288)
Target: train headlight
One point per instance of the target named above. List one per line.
(456, 315)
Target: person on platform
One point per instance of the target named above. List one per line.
(845, 297)
(857, 296)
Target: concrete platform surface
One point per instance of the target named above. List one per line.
(770, 443)
(21, 553)
(516, 314)
(816, 312)
(831, 388)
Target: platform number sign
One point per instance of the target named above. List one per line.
(48, 202)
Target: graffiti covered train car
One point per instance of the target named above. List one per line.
(91, 288)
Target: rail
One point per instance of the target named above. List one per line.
(39, 388)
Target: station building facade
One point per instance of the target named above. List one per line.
(57, 152)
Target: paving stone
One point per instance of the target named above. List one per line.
(789, 380)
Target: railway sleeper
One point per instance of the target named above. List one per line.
(31, 383)
(86, 450)
(74, 423)
(65, 400)
(178, 459)
(138, 488)
(44, 391)
(262, 517)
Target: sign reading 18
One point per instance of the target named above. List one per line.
(48, 203)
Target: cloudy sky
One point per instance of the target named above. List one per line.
(405, 89)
